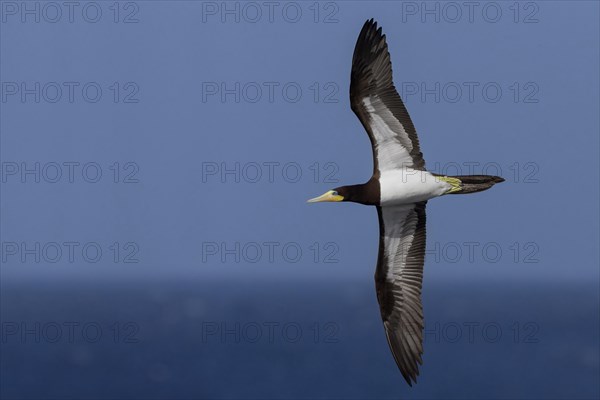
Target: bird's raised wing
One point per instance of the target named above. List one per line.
(377, 104)
(398, 282)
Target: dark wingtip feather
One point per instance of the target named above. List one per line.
(409, 378)
(370, 25)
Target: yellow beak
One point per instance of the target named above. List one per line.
(329, 196)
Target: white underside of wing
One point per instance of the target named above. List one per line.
(391, 140)
(399, 234)
(408, 185)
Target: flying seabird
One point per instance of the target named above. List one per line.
(399, 188)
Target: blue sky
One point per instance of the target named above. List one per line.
(210, 130)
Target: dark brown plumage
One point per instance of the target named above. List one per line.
(399, 187)
(400, 298)
(371, 77)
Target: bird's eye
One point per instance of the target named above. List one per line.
(334, 192)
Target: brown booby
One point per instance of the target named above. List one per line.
(399, 188)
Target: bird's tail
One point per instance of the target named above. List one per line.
(464, 184)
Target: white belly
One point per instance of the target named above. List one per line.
(408, 185)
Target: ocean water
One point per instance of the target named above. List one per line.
(222, 339)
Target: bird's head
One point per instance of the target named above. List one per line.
(366, 193)
(337, 194)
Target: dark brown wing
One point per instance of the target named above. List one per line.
(376, 102)
(398, 280)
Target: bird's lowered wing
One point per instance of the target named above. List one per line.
(376, 102)
(398, 279)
